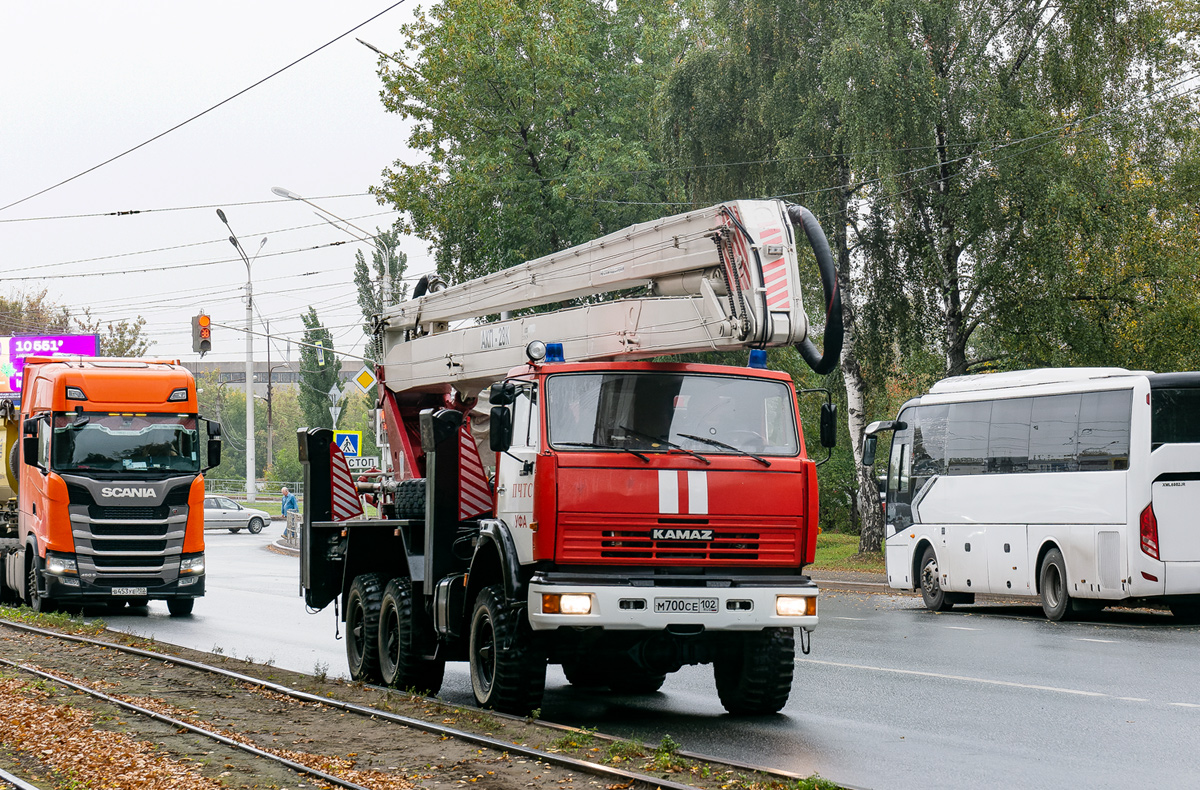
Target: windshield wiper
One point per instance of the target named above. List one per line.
(665, 442)
(738, 450)
(601, 447)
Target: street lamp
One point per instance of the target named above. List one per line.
(370, 238)
(237, 245)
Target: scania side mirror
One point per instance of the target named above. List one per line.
(503, 394)
(29, 444)
(214, 444)
(829, 425)
(500, 429)
(869, 446)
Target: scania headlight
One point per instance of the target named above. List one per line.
(192, 564)
(58, 564)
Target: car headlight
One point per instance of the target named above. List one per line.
(193, 564)
(59, 565)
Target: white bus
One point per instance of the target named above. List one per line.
(1078, 485)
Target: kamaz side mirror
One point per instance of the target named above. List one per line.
(829, 425)
(500, 429)
(503, 394)
(869, 446)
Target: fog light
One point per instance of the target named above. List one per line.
(796, 605)
(70, 581)
(566, 603)
(60, 565)
(187, 581)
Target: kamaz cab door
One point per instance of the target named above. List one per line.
(514, 473)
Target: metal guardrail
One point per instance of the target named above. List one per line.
(236, 489)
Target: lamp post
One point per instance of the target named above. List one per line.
(371, 238)
(237, 245)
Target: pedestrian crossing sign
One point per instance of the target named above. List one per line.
(349, 442)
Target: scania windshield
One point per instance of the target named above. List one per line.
(98, 442)
(670, 412)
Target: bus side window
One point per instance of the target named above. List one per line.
(905, 467)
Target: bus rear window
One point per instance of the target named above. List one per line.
(1174, 416)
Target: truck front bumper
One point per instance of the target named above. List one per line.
(70, 589)
(641, 604)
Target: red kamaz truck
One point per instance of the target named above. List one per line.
(110, 485)
(629, 517)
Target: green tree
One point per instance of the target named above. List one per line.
(33, 314)
(534, 123)
(382, 280)
(122, 338)
(318, 372)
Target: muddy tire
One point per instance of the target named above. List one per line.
(362, 627)
(404, 640)
(754, 675)
(508, 673)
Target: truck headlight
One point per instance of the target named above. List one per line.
(58, 564)
(796, 605)
(566, 603)
(192, 564)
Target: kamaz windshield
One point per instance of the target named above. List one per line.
(661, 412)
(99, 442)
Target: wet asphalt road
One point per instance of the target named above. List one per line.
(891, 696)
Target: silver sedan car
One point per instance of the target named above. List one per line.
(223, 513)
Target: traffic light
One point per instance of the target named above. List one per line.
(202, 334)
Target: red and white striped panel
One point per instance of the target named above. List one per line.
(474, 494)
(344, 502)
(775, 273)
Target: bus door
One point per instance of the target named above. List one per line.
(898, 514)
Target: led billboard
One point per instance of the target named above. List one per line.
(13, 351)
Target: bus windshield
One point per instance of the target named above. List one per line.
(99, 442)
(658, 412)
(1174, 416)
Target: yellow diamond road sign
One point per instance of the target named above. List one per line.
(364, 379)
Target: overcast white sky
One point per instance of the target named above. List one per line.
(83, 81)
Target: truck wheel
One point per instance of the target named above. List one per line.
(507, 672)
(362, 627)
(180, 607)
(401, 662)
(235, 530)
(410, 498)
(255, 526)
(32, 599)
(584, 674)
(754, 676)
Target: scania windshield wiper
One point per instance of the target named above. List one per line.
(738, 450)
(601, 447)
(665, 442)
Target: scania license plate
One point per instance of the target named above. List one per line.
(685, 605)
(137, 591)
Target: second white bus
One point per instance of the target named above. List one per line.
(1080, 486)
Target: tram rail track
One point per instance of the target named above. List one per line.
(611, 776)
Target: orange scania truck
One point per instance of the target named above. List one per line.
(110, 499)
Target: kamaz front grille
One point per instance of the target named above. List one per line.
(711, 544)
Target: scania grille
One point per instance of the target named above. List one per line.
(123, 546)
(129, 513)
(124, 561)
(637, 544)
(139, 530)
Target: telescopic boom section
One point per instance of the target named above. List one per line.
(719, 278)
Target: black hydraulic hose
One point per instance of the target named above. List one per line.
(825, 361)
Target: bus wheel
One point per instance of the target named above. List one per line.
(935, 597)
(754, 673)
(400, 646)
(507, 671)
(1052, 581)
(362, 627)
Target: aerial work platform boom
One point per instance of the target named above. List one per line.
(719, 278)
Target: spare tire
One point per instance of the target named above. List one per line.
(14, 461)
(410, 498)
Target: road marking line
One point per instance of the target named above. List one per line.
(1104, 641)
(851, 618)
(1184, 704)
(1133, 699)
(986, 681)
(960, 628)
